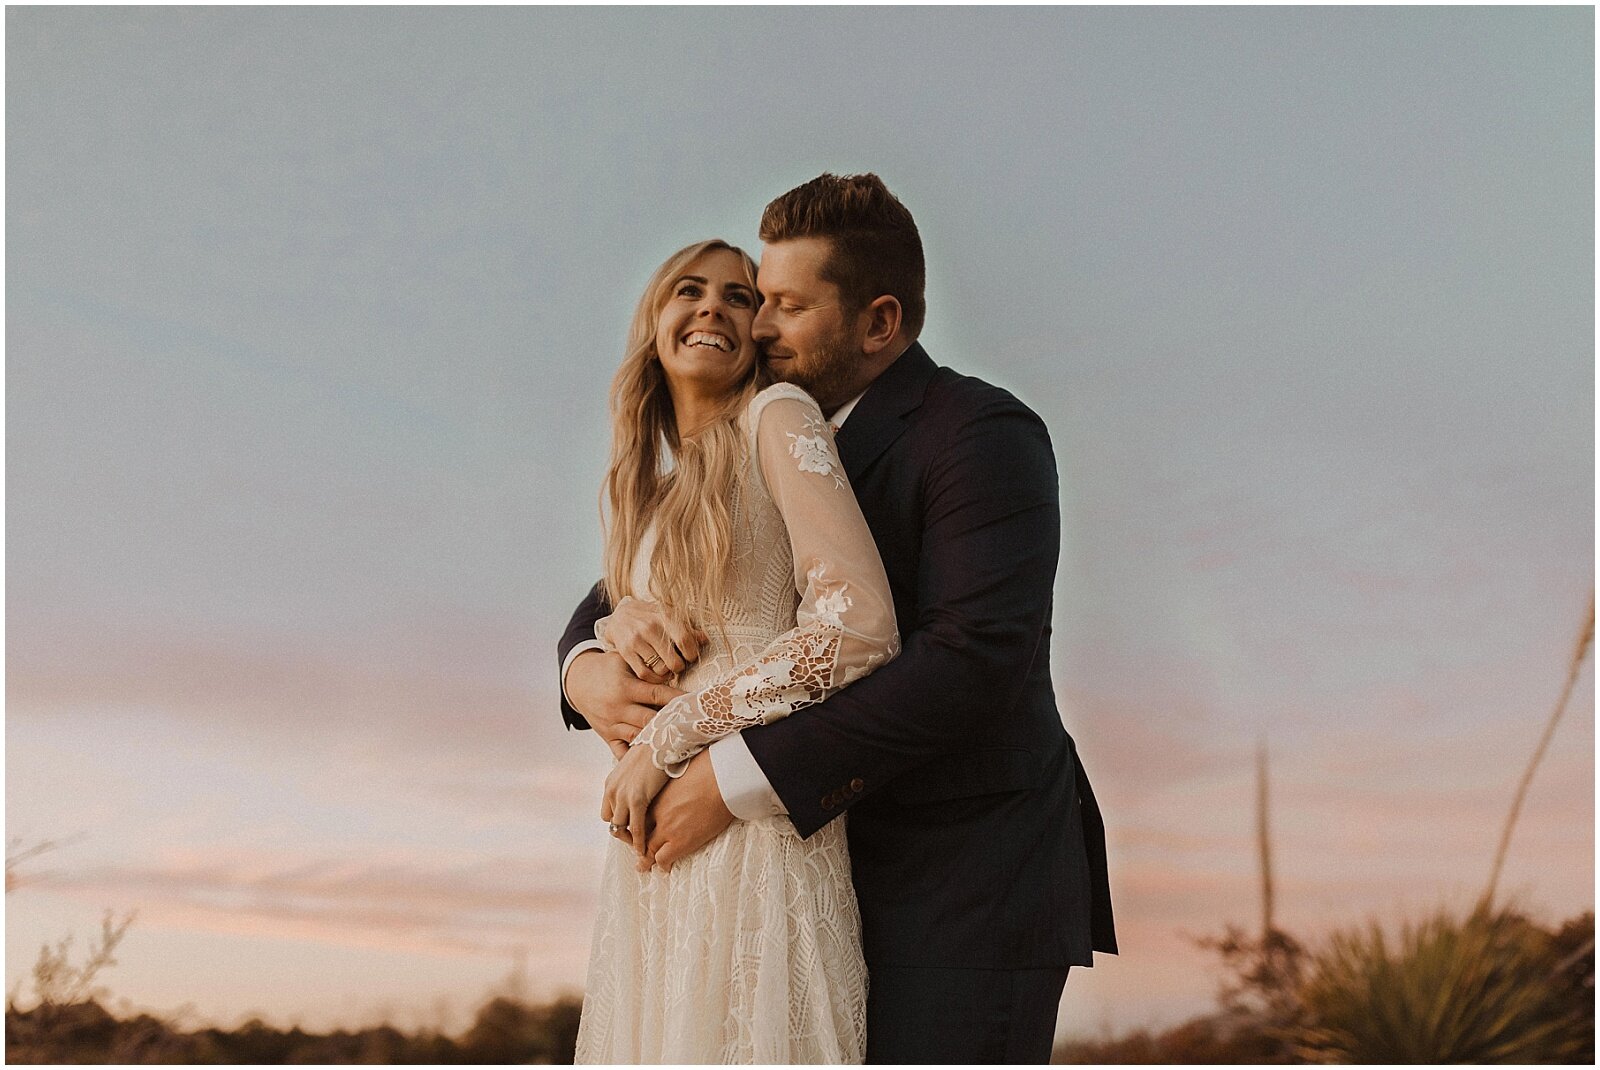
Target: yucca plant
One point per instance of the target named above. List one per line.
(1487, 989)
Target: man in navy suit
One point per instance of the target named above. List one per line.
(976, 846)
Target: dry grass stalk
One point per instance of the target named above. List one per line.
(16, 854)
(1264, 841)
(1580, 651)
(57, 982)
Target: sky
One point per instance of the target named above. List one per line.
(310, 318)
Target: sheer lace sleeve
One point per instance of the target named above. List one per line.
(845, 624)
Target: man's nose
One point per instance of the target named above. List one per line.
(761, 327)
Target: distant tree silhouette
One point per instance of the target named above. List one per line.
(504, 1031)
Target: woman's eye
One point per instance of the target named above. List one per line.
(739, 299)
(688, 289)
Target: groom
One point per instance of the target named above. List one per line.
(976, 847)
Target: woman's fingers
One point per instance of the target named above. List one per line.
(639, 812)
(656, 646)
(626, 804)
(619, 817)
(645, 630)
(635, 625)
(608, 798)
(687, 642)
(639, 668)
(634, 664)
(660, 655)
(619, 832)
(629, 816)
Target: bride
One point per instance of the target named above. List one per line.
(728, 508)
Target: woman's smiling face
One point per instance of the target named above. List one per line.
(703, 332)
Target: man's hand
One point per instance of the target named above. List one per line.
(655, 646)
(616, 703)
(688, 814)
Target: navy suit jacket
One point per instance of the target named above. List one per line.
(975, 840)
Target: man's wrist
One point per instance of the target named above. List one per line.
(566, 665)
(744, 788)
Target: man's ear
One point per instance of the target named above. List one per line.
(883, 324)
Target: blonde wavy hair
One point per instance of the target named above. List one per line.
(684, 485)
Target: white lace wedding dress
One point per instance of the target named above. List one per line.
(749, 951)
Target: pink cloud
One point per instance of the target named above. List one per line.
(466, 904)
(283, 691)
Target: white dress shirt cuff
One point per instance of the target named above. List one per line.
(746, 792)
(582, 648)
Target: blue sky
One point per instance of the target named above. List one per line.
(311, 314)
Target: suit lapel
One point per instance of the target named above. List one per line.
(879, 417)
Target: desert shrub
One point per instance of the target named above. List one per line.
(1490, 988)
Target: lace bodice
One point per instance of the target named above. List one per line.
(808, 608)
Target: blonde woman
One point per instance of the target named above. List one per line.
(728, 508)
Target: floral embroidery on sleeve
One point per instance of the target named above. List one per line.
(796, 674)
(813, 451)
(796, 671)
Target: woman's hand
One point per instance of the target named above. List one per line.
(654, 646)
(629, 790)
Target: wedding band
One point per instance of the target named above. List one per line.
(615, 829)
(655, 662)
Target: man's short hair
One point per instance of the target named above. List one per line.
(875, 246)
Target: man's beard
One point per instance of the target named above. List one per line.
(828, 373)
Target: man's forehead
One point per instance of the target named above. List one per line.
(788, 266)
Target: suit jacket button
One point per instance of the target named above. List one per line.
(857, 784)
(827, 802)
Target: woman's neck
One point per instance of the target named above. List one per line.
(693, 409)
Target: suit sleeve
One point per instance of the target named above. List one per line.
(990, 530)
(579, 629)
